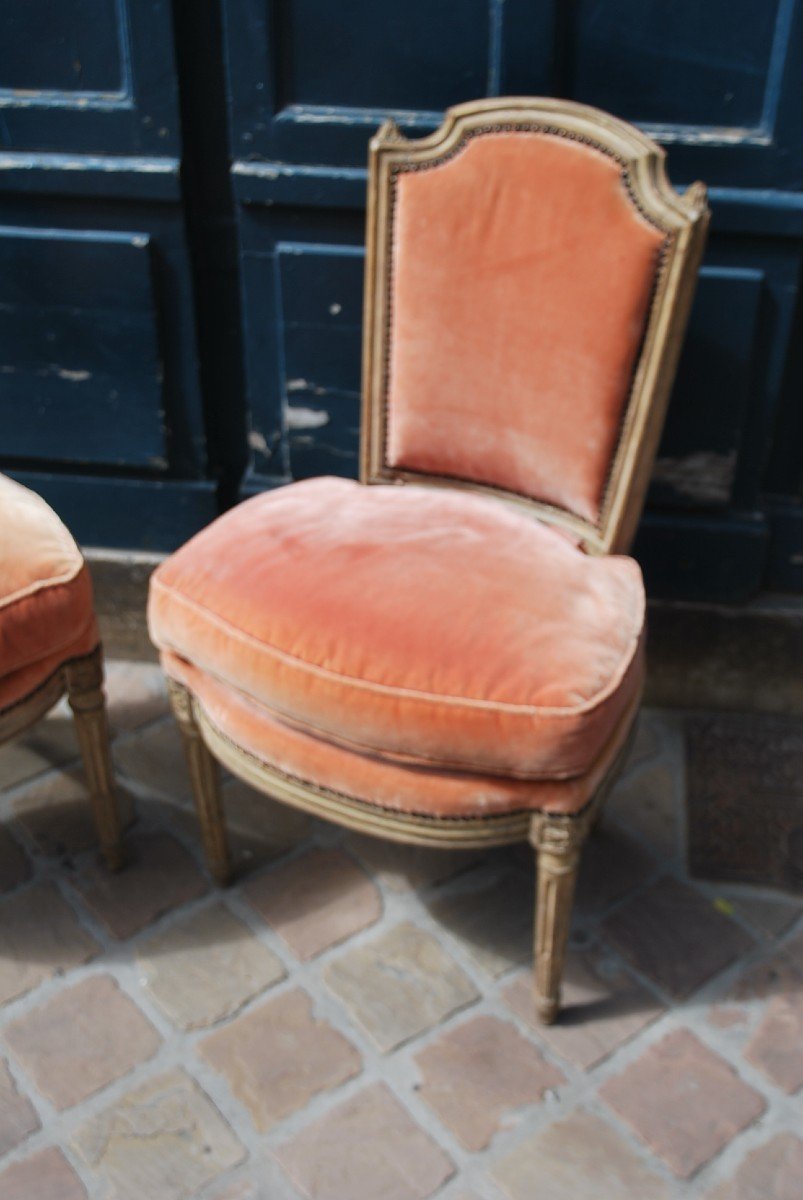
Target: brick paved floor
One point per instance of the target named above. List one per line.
(351, 1021)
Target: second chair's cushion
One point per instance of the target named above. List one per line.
(432, 627)
(46, 610)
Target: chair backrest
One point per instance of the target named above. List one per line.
(528, 280)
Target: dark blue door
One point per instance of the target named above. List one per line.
(181, 231)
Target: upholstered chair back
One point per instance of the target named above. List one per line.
(528, 282)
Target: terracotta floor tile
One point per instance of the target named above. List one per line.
(80, 1040)
(44, 1176)
(612, 864)
(206, 967)
(771, 917)
(154, 759)
(164, 1140)
(492, 916)
(474, 1076)
(654, 736)
(776, 1046)
(793, 949)
(315, 901)
(158, 876)
(40, 936)
(578, 1158)
(278, 1056)
(15, 866)
(683, 1100)
(675, 936)
(18, 1119)
(647, 801)
(363, 1149)
(772, 1172)
(399, 985)
(775, 975)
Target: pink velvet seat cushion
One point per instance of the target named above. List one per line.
(46, 610)
(428, 627)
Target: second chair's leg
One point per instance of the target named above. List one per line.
(205, 779)
(84, 680)
(558, 842)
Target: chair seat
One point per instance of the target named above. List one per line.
(427, 627)
(46, 610)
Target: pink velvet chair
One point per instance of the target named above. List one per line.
(49, 643)
(454, 655)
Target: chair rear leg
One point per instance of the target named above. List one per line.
(84, 681)
(205, 780)
(558, 842)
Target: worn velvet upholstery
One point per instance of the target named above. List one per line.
(424, 628)
(390, 784)
(521, 280)
(46, 609)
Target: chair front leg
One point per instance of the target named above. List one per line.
(558, 842)
(205, 781)
(84, 682)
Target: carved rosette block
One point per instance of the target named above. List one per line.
(558, 842)
(83, 679)
(205, 780)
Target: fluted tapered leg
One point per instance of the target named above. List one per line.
(205, 780)
(84, 682)
(558, 842)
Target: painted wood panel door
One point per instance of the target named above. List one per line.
(181, 239)
(100, 407)
(718, 84)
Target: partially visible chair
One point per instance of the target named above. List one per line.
(49, 643)
(454, 655)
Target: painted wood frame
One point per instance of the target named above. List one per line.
(82, 681)
(683, 220)
(556, 838)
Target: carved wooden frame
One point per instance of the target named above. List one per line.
(682, 218)
(556, 838)
(82, 681)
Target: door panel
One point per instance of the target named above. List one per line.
(397, 59)
(685, 63)
(75, 48)
(78, 348)
(98, 356)
(88, 76)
